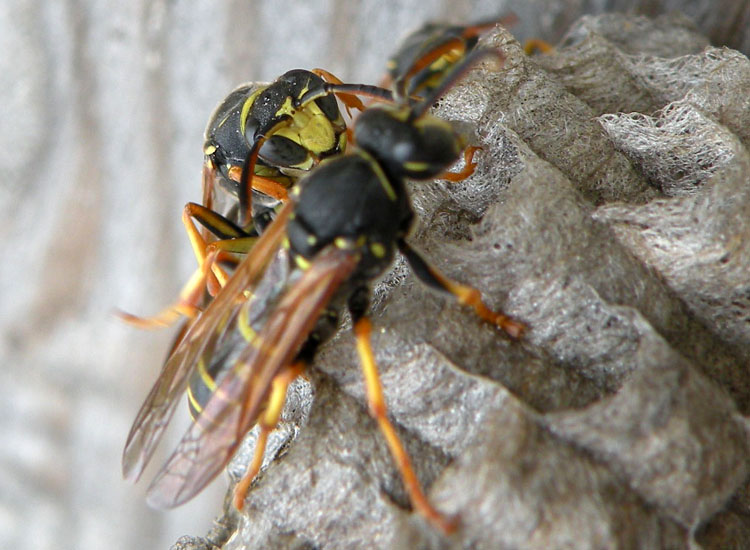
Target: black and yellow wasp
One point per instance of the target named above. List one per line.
(426, 55)
(340, 229)
(291, 137)
(268, 129)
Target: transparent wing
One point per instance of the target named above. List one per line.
(233, 408)
(200, 340)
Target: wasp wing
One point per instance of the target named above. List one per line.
(199, 340)
(233, 408)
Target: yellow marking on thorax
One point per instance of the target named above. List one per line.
(302, 263)
(416, 166)
(378, 250)
(382, 178)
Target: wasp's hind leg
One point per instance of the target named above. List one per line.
(358, 304)
(267, 422)
(209, 273)
(467, 170)
(465, 294)
(264, 185)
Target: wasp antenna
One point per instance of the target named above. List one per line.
(244, 193)
(458, 71)
(365, 90)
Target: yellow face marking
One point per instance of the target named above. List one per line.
(311, 129)
(287, 108)
(317, 134)
(311, 240)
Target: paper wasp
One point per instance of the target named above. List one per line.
(426, 55)
(296, 135)
(280, 137)
(339, 231)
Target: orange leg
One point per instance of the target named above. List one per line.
(264, 185)
(219, 249)
(465, 294)
(470, 296)
(453, 48)
(198, 243)
(534, 45)
(376, 401)
(186, 305)
(268, 421)
(208, 275)
(467, 170)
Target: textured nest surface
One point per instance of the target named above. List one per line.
(610, 213)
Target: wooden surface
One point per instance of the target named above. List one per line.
(103, 108)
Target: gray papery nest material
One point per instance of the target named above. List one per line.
(609, 212)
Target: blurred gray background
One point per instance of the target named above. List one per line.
(103, 109)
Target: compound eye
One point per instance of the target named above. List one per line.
(281, 151)
(251, 128)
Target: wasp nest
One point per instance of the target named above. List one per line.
(610, 212)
